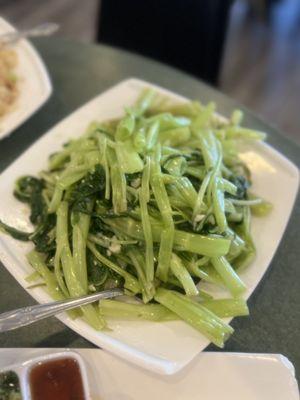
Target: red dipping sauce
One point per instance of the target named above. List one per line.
(56, 380)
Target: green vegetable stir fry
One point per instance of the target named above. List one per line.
(156, 202)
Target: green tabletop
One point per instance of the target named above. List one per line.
(78, 73)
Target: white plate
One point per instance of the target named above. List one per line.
(211, 376)
(161, 347)
(33, 80)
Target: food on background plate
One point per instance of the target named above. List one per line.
(156, 202)
(8, 79)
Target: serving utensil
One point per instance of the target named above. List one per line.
(45, 29)
(27, 315)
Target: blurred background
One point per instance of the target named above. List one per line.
(250, 49)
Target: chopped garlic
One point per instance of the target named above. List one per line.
(136, 183)
(199, 218)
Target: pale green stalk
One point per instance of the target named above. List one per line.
(118, 183)
(75, 287)
(150, 312)
(182, 274)
(230, 278)
(144, 197)
(167, 234)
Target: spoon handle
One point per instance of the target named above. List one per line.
(27, 315)
(41, 30)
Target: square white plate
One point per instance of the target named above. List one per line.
(161, 347)
(33, 81)
(211, 376)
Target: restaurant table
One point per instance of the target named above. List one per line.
(81, 71)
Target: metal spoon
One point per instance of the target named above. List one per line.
(48, 28)
(27, 315)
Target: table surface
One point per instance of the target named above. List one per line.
(79, 72)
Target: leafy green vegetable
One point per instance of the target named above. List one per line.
(10, 386)
(15, 233)
(154, 202)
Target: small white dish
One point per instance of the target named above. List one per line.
(22, 367)
(211, 376)
(33, 81)
(161, 347)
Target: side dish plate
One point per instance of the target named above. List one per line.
(238, 376)
(34, 84)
